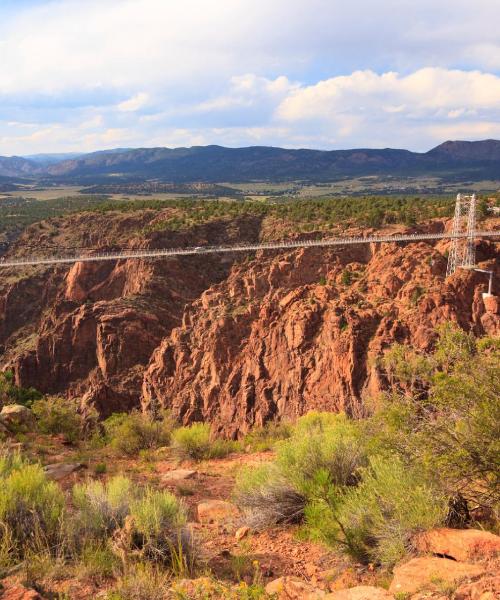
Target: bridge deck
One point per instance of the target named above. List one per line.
(278, 245)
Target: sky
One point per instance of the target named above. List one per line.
(85, 75)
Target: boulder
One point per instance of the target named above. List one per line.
(59, 471)
(460, 544)
(216, 511)
(177, 475)
(360, 592)
(14, 416)
(487, 588)
(293, 588)
(424, 572)
(19, 592)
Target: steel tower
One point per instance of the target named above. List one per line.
(463, 250)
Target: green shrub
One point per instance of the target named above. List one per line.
(31, 507)
(346, 277)
(195, 442)
(158, 519)
(10, 393)
(267, 498)
(324, 453)
(100, 468)
(264, 438)
(142, 582)
(100, 508)
(130, 433)
(58, 415)
(375, 521)
(323, 443)
(449, 421)
(96, 561)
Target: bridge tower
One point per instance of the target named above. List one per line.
(463, 251)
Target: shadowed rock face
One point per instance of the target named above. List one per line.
(231, 340)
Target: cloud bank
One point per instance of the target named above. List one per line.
(87, 74)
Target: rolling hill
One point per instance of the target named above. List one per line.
(453, 159)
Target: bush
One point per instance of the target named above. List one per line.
(267, 498)
(58, 415)
(375, 521)
(13, 394)
(158, 518)
(325, 443)
(97, 562)
(31, 507)
(101, 508)
(346, 277)
(325, 452)
(142, 582)
(443, 413)
(130, 433)
(195, 442)
(264, 438)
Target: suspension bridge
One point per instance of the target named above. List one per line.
(462, 253)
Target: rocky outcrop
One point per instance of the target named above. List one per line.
(229, 339)
(302, 330)
(89, 331)
(424, 573)
(459, 544)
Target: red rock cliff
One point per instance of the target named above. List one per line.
(291, 332)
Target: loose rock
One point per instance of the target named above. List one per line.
(19, 592)
(421, 573)
(460, 544)
(59, 471)
(216, 511)
(13, 416)
(487, 588)
(242, 532)
(361, 592)
(178, 475)
(293, 588)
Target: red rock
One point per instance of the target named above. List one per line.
(460, 544)
(487, 588)
(422, 573)
(293, 588)
(19, 592)
(298, 345)
(492, 304)
(360, 592)
(216, 511)
(231, 341)
(178, 475)
(58, 471)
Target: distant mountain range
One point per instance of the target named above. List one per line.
(452, 161)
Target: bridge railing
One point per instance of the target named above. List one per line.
(247, 247)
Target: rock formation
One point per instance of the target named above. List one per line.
(234, 339)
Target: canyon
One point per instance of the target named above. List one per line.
(233, 340)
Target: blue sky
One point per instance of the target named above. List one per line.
(83, 75)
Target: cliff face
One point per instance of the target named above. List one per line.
(292, 332)
(233, 340)
(89, 331)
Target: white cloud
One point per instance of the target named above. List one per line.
(158, 72)
(135, 103)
